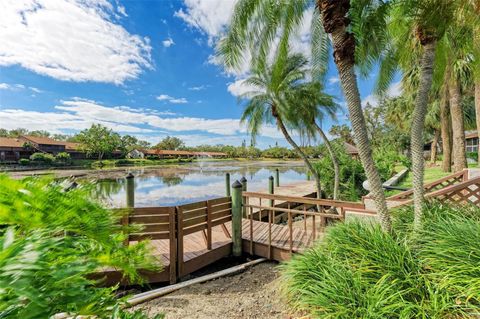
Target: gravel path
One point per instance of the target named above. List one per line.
(251, 294)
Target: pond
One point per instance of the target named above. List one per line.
(168, 186)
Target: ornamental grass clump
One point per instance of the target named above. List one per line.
(359, 271)
(51, 242)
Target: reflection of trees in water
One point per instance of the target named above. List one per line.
(172, 180)
(107, 187)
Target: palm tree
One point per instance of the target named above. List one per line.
(257, 25)
(313, 106)
(416, 27)
(276, 87)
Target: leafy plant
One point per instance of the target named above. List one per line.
(42, 158)
(62, 157)
(24, 161)
(51, 243)
(360, 271)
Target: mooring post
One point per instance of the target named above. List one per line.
(244, 200)
(227, 184)
(237, 218)
(270, 188)
(277, 178)
(130, 190)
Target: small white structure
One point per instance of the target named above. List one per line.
(135, 154)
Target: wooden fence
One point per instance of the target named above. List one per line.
(175, 232)
(447, 181)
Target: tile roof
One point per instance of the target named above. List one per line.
(350, 148)
(72, 146)
(42, 140)
(11, 142)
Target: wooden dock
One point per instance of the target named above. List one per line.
(189, 237)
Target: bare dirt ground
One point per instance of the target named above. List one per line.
(251, 294)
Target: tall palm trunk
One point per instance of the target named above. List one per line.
(336, 166)
(433, 150)
(301, 153)
(335, 22)
(445, 125)
(458, 126)
(418, 124)
(477, 113)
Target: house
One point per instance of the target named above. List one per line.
(181, 154)
(43, 144)
(74, 150)
(471, 143)
(12, 149)
(351, 150)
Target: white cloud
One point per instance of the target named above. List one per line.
(198, 88)
(333, 80)
(168, 98)
(18, 87)
(78, 114)
(72, 40)
(122, 11)
(239, 88)
(168, 42)
(210, 17)
(394, 90)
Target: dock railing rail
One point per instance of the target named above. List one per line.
(304, 206)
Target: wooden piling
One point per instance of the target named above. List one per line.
(130, 190)
(227, 184)
(270, 189)
(237, 218)
(244, 189)
(277, 178)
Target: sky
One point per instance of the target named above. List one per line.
(144, 68)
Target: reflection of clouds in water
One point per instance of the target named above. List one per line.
(198, 184)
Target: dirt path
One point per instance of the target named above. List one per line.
(251, 294)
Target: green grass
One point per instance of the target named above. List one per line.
(359, 271)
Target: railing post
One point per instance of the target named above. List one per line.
(244, 189)
(270, 188)
(237, 218)
(277, 178)
(130, 190)
(227, 184)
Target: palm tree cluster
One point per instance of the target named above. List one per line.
(433, 44)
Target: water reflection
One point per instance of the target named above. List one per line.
(168, 186)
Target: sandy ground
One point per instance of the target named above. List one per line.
(251, 294)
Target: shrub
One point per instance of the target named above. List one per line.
(51, 242)
(42, 158)
(359, 271)
(63, 157)
(24, 161)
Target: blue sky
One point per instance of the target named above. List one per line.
(144, 68)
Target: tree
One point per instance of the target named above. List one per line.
(312, 105)
(277, 88)
(343, 132)
(170, 143)
(98, 140)
(257, 26)
(128, 143)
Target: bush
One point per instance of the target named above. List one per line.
(359, 271)
(42, 158)
(24, 161)
(51, 243)
(63, 157)
(352, 174)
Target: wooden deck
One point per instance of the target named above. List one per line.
(299, 189)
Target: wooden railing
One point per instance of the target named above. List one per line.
(307, 207)
(434, 186)
(201, 216)
(465, 193)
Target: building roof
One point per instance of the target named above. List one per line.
(471, 134)
(71, 146)
(11, 142)
(350, 148)
(187, 153)
(42, 140)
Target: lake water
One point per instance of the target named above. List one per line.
(167, 186)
